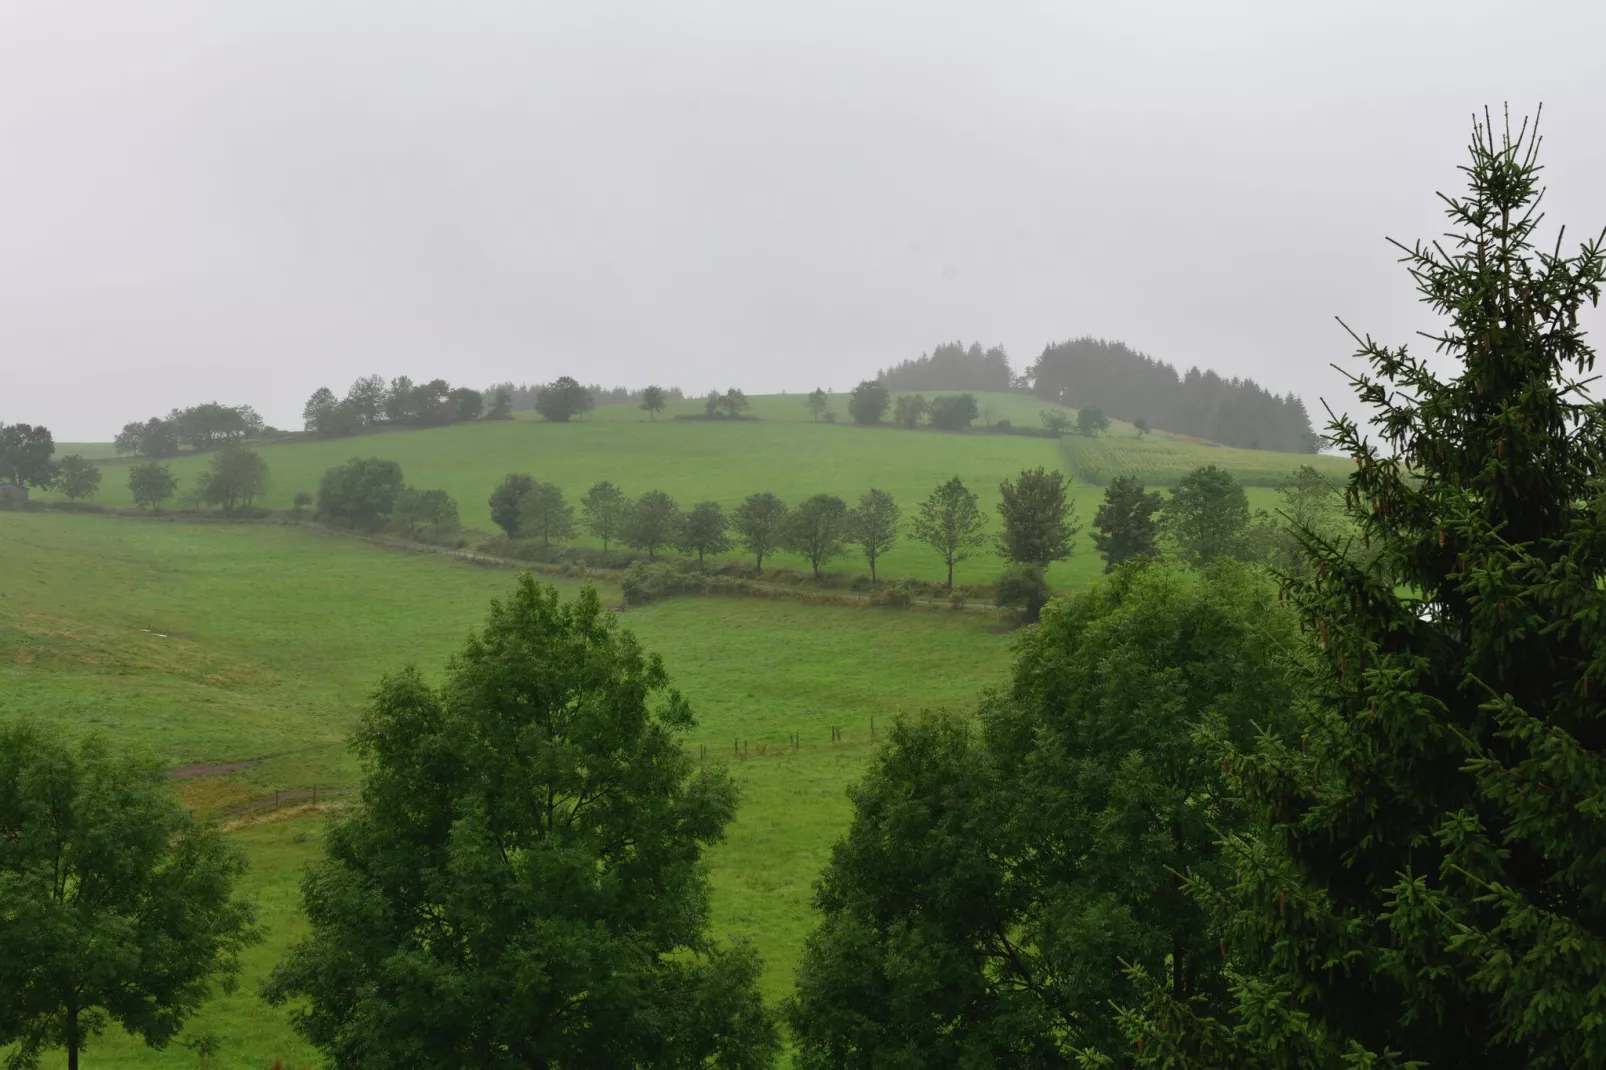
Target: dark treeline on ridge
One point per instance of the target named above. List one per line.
(524, 395)
(952, 366)
(1130, 386)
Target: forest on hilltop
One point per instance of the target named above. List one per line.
(1129, 385)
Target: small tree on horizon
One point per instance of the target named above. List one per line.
(873, 526)
(818, 530)
(1141, 426)
(115, 906)
(703, 530)
(819, 403)
(501, 407)
(151, 483)
(652, 401)
(1039, 520)
(759, 523)
(603, 511)
(652, 522)
(544, 514)
(734, 403)
(563, 399)
(868, 402)
(950, 521)
(76, 477)
(1124, 527)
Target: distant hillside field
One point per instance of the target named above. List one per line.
(1162, 460)
(781, 451)
(214, 644)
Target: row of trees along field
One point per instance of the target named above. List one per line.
(200, 427)
(1349, 819)
(524, 397)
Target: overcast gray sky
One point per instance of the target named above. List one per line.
(242, 200)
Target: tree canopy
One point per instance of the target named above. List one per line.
(1124, 528)
(361, 493)
(759, 523)
(25, 455)
(563, 399)
(951, 522)
(868, 402)
(115, 906)
(521, 881)
(1039, 521)
(818, 529)
(1206, 515)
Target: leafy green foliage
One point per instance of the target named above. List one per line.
(818, 529)
(1039, 521)
(868, 402)
(953, 412)
(873, 526)
(652, 401)
(951, 523)
(362, 493)
(818, 404)
(1124, 528)
(155, 438)
(1206, 515)
(1056, 420)
(114, 905)
(76, 477)
(563, 399)
(506, 499)
(908, 409)
(1311, 506)
(703, 530)
(603, 510)
(545, 515)
(501, 407)
(25, 452)
(994, 886)
(1091, 421)
(1424, 886)
(652, 522)
(434, 509)
(235, 478)
(1023, 588)
(521, 883)
(759, 524)
(151, 484)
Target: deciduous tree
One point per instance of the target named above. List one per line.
(563, 399)
(873, 526)
(818, 530)
(1039, 521)
(544, 515)
(151, 484)
(25, 455)
(819, 403)
(1091, 421)
(505, 500)
(1206, 515)
(953, 412)
(652, 522)
(521, 882)
(115, 906)
(362, 493)
(501, 405)
(235, 477)
(77, 478)
(704, 530)
(868, 402)
(603, 511)
(1124, 528)
(951, 523)
(652, 401)
(759, 523)
(907, 409)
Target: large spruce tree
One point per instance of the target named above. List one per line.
(1428, 884)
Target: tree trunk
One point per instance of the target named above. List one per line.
(950, 573)
(72, 1038)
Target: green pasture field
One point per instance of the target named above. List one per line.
(1162, 460)
(209, 644)
(783, 452)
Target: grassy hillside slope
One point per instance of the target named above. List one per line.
(783, 452)
(221, 643)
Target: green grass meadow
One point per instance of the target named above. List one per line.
(782, 451)
(215, 643)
